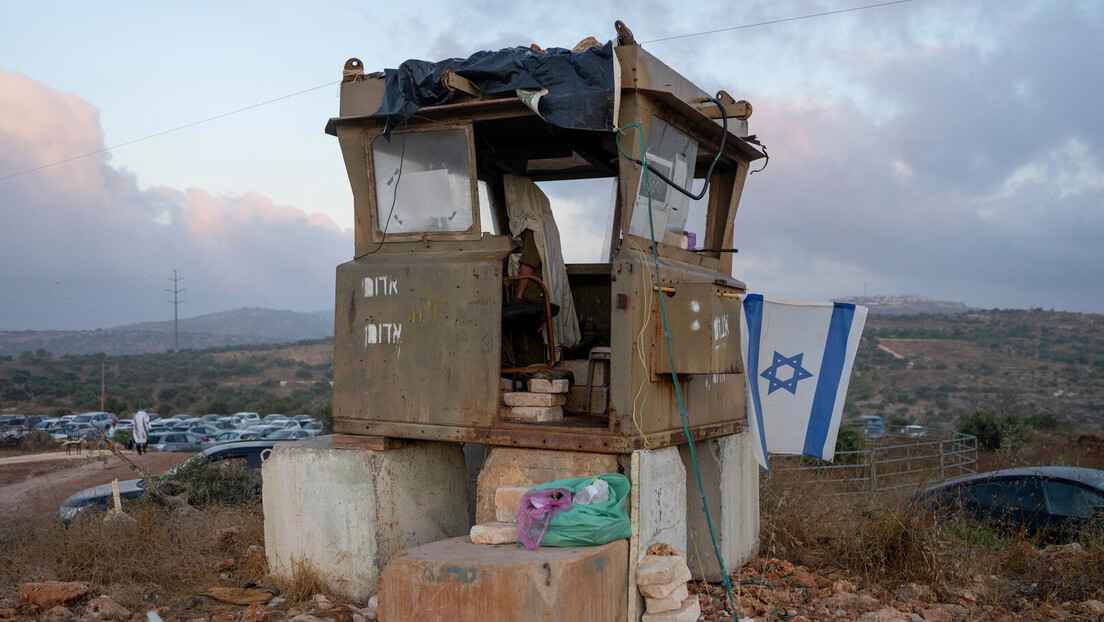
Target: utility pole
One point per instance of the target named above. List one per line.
(176, 302)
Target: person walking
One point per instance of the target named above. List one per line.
(141, 430)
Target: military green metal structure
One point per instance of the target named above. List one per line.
(418, 329)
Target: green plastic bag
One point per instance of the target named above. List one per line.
(590, 525)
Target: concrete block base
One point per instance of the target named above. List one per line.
(459, 581)
(730, 476)
(509, 466)
(345, 512)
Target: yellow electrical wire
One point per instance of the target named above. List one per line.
(639, 342)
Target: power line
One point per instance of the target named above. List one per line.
(779, 21)
(175, 129)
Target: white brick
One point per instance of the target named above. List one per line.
(576, 400)
(505, 384)
(578, 367)
(673, 602)
(494, 533)
(688, 612)
(507, 499)
(540, 385)
(533, 413)
(534, 399)
(661, 570)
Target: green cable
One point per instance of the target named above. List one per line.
(683, 415)
(783, 614)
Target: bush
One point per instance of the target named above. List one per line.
(994, 432)
(37, 441)
(850, 438)
(204, 484)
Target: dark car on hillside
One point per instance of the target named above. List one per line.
(1057, 503)
(249, 455)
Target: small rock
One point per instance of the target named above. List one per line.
(306, 617)
(662, 548)
(373, 603)
(1091, 607)
(661, 570)
(957, 611)
(885, 614)
(57, 614)
(853, 603)
(322, 602)
(224, 616)
(52, 593)
(843, 586)
(913, 591)
(255, 613)
(936, 615)
(226, 536)
(279, 600)
(103, 608)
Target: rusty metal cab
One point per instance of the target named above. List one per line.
(418, 328)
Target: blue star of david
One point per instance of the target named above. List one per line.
(799, 373)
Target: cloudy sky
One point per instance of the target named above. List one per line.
(948, 148)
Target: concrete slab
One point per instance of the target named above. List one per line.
(658, 510)
(507, 466)
(457, 580)
(730, 476)
(346, 512)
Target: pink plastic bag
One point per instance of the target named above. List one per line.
(535, 510)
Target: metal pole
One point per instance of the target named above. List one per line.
(176, 302)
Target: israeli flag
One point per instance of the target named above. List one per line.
(797, 360)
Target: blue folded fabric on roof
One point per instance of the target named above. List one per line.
(579, 84)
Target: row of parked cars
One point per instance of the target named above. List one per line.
(181, 432)
(186, 433)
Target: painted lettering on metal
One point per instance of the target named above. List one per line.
(384, 333)
(720, 327)
(380, 286)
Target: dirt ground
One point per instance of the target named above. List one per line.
(34, 485)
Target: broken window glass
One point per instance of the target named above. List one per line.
(422, 182)
(673, 153)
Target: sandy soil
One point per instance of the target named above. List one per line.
(34, 485)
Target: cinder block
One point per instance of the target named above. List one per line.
(346, 512)
(505, 384)
(507, 499)
(730, 477)
(672, 602)
(576, 400)
(689, 612)
(541, 385)
(534, 399)
(661, 570)
(578, 367)
(533, 413)
(506, 466)
(494, 533)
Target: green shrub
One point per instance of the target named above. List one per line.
(203, 483)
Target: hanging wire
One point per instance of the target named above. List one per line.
(683, 414)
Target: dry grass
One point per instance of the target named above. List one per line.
(178, 551)
(886, 541)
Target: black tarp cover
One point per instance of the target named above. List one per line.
(579, 84)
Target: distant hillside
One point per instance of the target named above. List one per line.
(907, 304)
(932, 368)
(226, 328)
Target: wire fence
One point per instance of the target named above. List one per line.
(892, 462)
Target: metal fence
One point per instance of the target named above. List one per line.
(894, 461)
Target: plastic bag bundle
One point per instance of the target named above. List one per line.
(598, 522)
(598, 492)
(535, 511)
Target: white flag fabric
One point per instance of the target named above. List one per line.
(797, 360)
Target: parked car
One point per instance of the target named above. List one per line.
(234, 436)
(872, 425)
(303, 418)
(98, 419)
(250, 455)
(1058, 503)
(244, 416)
(205, 432)
(70, 430)
(211, 418)
(274, 417)
(313, 428)
(175, 441)
(288, 435)
(19, 425)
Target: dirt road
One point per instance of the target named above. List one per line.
(34, 485)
